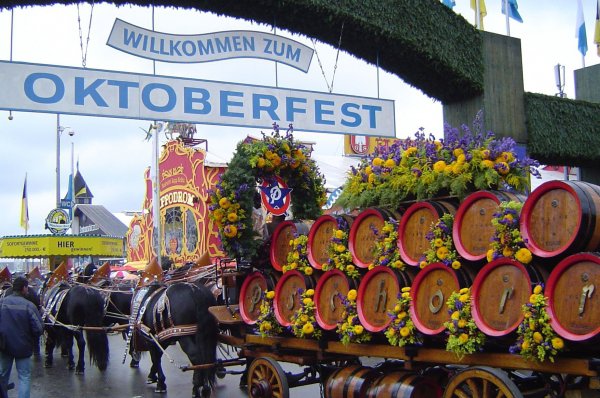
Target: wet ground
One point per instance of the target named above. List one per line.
(120, 381)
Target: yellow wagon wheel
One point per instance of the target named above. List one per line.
(481, 382)
(266, 379)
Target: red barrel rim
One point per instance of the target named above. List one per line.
(475, 290)
(278, 288)
(353, 230)
(402, 226)
(526, 217)
(311, 236)
(318, 288)
(276, 232)
(550, 291)
(458, 221)
(414, 290)
(243, 289)
(361, 291)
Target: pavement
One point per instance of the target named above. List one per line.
(121, 381)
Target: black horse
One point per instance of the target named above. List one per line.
(168, 311)
(66, 309)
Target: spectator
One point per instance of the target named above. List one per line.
(20, 322)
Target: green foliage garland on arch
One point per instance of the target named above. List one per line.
(254, 161)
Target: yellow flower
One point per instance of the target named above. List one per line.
(442, 252)
(537, 337)
(485, 153)
(230, 231)
(525, 345)
(405, 295)
(461, 159)
(377, 161)
(397, 308)
(307, 301)
(368, 170)
(303, 318)
(558, 343)
(507, 251)
(339, 234)
(455, 315)
(456, 264)
(310, 292)
(390, 163)
(308, 328)
(404, 331)
(265, 326)
(464, 290)
(523, 256)
(463, 298)
(224, 203)
(537, 289)
(463, 338)
(462, 323)
(406, 289)
(503, 168)
(488, 164)
(439, 166)
(410, 151)
(402, 315)
(358, 329)
(308, 271)
(350, 268)
(423, 264)
(340, 248)
(260, 163)
(490, 255)
(391, 331)
(438, 242)
(533, 298)
(232, 217)
(270, 294)
(371, 178)
(352, 294)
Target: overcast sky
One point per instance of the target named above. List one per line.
(112, 153)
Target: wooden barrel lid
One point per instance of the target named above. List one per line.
(287, 298)
(404, 383)
(430, 291)
(362, 239)
(251, 295)
(562, 217)
(377, 294)
(350, 381)
(280, 241)
(319, 237)
(473, 230)
(499, 291)
(328, 305)
(573, 303)
(414, 226)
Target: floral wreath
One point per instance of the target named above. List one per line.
(254, 161)
(441, 243)
(267, 322)
(507, 240)
(386, 247)
(402, 330)
(304, 323)
(349, 328)
(463, 335)
(536, 340)
(339, 253)
(297, 257)
(423, 168)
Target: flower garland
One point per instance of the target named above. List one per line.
(401, 330)
(423, 167)
(349, 329)
(267, 322)
(232, 200)
(304, 324)
(297, 258)
(441, 243)
(386, 247)
(463, 335)
(507, 240)
(339, 253)
(537, 341)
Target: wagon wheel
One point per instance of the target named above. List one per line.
(266, 379)
(481, 382)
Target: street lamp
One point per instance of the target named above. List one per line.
(59, 129)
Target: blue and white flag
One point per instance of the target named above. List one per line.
(580, 30)
(449, 3)
(513, 10)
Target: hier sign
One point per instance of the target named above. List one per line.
(92, 92)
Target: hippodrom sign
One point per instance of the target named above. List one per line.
(68, 90)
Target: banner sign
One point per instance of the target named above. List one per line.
(60, 245)
(208, 47)
(92, 92)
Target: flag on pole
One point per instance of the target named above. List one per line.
(24, 208)
(580, 30)
(513, 10)
(479, 5)
(449, 3)
(597, 34)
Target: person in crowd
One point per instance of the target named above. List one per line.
(21, 324)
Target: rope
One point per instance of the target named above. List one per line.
(87, 41)
(329, 87)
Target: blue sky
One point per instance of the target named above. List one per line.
(112, 153)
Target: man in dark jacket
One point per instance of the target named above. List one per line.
(20, 322)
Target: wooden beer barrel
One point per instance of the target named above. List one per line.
(377, 294)
(560, 218)
(430, 290)
(320, 235)
(328, 305)
(251, 294)
(362, 238)
(350, 381)
(499, 292)
(416, 223)
(287, 298)
(280, 241)
(473, 231)
(404, 384)
(573, 303)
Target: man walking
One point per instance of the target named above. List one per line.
(20, 322)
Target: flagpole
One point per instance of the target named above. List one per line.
(507, 17)
(477, 15)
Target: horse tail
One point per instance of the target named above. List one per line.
(207, 332)
(97, 340)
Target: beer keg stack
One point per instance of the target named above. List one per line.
(560, 222)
